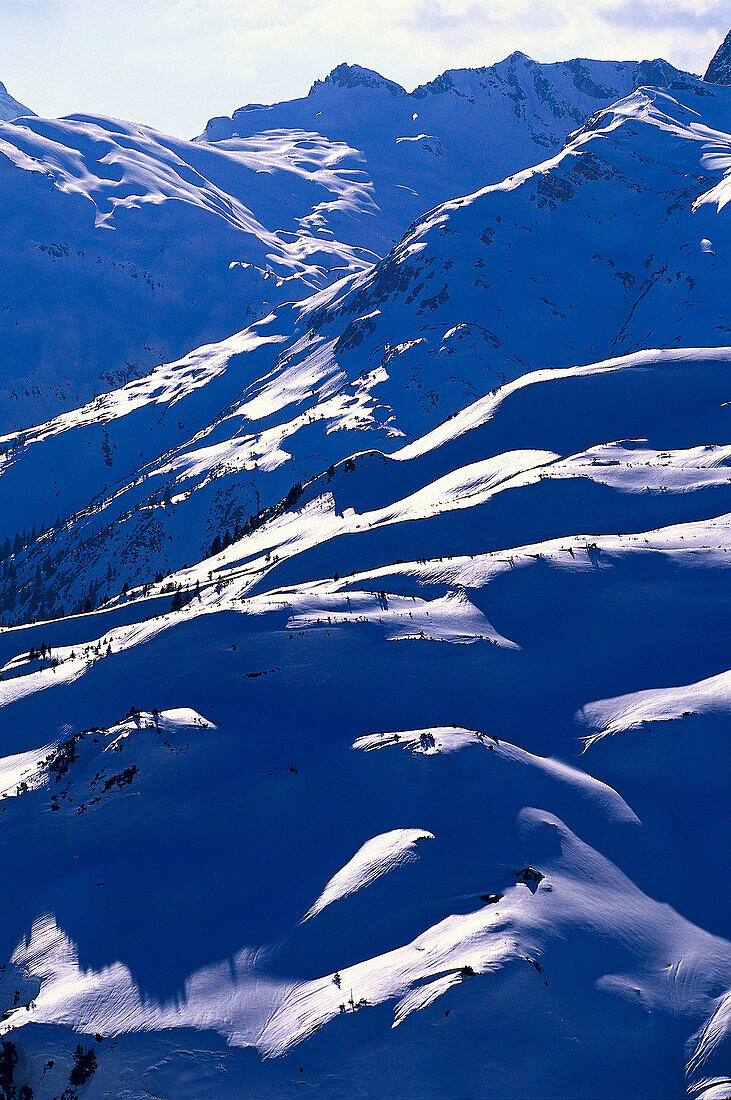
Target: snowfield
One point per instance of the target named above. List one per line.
(364, 650)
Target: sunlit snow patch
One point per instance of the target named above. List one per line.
(627, 712)
(373, 859)
(449, 739)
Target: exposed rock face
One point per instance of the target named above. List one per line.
(719, 70)
(355, 76)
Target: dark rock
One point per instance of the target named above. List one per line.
(529, 876)
(719, 70)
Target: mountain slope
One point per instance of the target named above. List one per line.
(137, 247)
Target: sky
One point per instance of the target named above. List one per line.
(174, 64)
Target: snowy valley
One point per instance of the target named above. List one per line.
(365, 684)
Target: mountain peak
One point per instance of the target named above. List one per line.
(11, 108)
(355, 76)
(719, 70)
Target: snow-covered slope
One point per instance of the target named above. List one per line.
(339, 870)
(125, 248)
(386, 743)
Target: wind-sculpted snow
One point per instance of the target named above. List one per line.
(294, 667)
(712, 696)
(180, 495)
(144, 246)
(450, 739)
(364, 710)
(375, 858)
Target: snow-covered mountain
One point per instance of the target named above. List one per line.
(719, 69)
(464, 129)
(457, 309)
(139, 247)
(10, 108)
(457, 133)
(385, 740)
